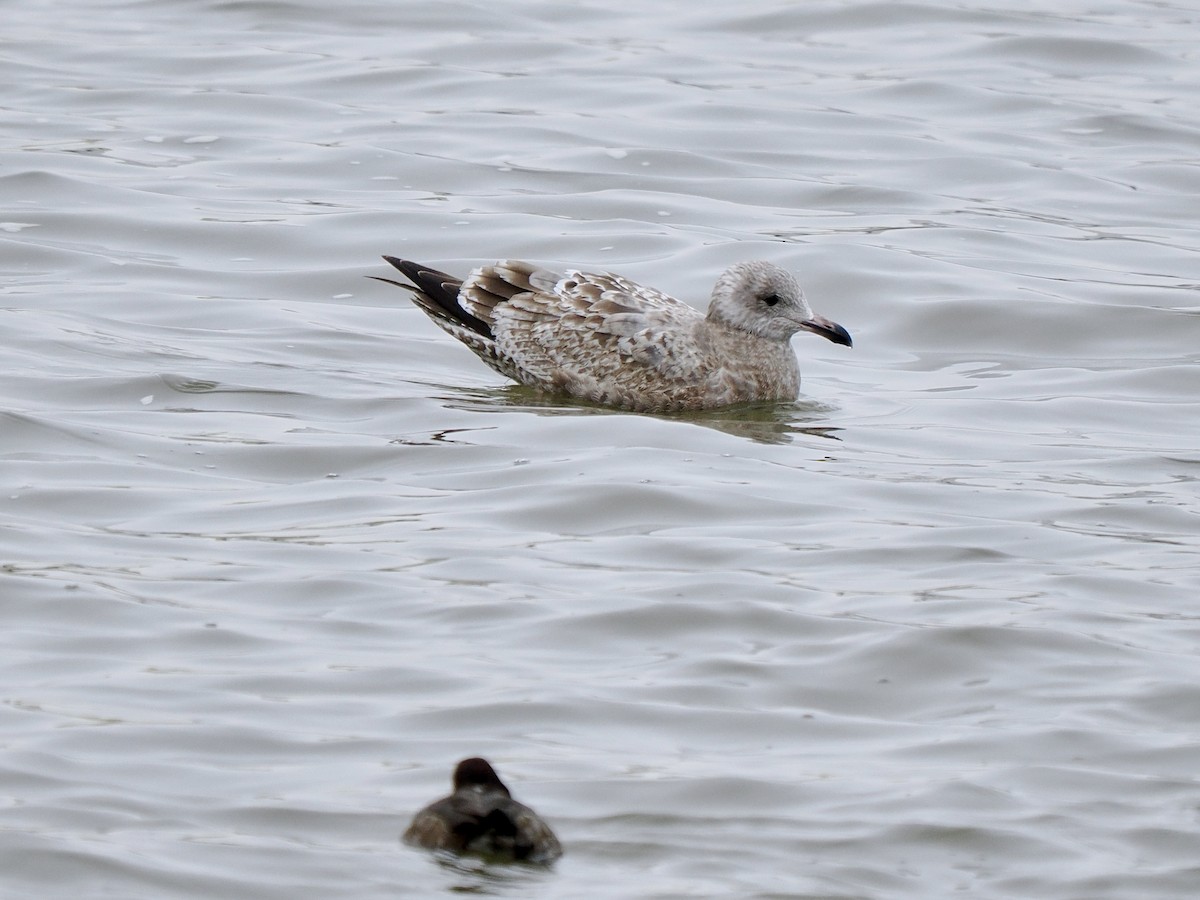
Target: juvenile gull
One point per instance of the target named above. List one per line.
(604, 338)
(481, 817)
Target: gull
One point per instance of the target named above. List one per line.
(481, 817)
(603, 338)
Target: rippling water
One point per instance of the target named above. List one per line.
(276, 552)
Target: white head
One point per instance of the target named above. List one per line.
(765, 300)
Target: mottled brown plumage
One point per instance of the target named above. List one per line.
(481, 817)
(604, 338)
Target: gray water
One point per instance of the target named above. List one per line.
(276, 552)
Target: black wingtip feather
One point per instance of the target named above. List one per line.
(441, 290)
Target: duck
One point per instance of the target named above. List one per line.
(481, 818)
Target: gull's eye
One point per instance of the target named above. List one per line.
(771, 299)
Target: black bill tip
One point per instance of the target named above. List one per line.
(831, 331)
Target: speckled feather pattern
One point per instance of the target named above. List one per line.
(603, 338)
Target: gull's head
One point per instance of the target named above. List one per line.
(761, 298)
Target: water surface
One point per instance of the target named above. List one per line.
(275, 552)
